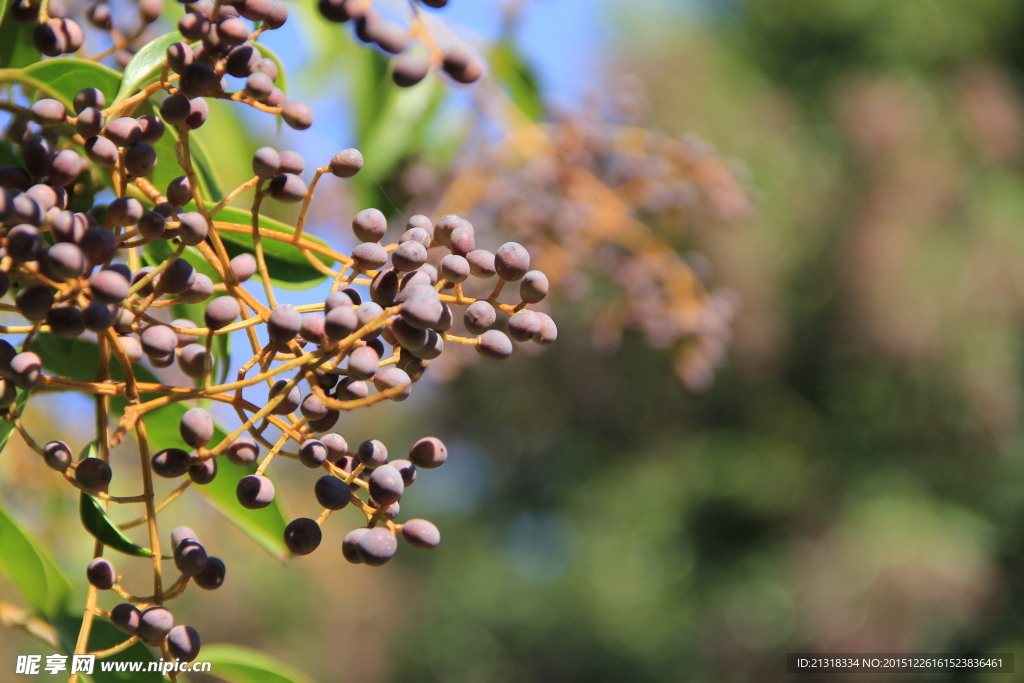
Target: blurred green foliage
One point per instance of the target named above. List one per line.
(852, 480)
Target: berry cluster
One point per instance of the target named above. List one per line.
(416, 48)
(156, 277)
(596, 199)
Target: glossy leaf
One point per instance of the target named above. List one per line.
(288, 267)
(16, 48)
(265, 526)
(145, 66)
(78, 359)
(27, 564)
(396, 126)
(19, 76)
(7, 428)
(517, 78)
(98, 523)
(224, 129)
(204, 168)
(67, 75)
(241, 665)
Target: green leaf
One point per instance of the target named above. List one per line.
(237, 664)
(372, 90)
(104, 635)
(265, 526)
(16, 48)
(8, 155)
(517, 78)
(7, 428)
(397, 129)
(145, 66)
(66, 76)
(141, 71)
(288, 267)
(96, 522)
(28, 565)
(204, 167)
(78, 359)
(19, 76)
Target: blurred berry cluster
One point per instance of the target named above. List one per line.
(111, 236)
(610, 206)
(416, 47)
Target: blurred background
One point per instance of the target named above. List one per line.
(809, 439)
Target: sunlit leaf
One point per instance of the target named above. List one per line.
(241, 665)
(27, 564)
(16, 48)
(7, 428)
(265, 526)
(67, 75)
(517, 78)
(96, 522)
(288, 267)
(144, 68)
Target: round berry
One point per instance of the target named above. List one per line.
(363, 362)
(289, 403)
(183, 643)
(243, 451)
(155, 623)
(372, 453)
(393, 378)
(369, 225)
(494, 344)
(386, 485)
(243, 266)
(212, 575)
(511, 261)
(419, 533)
(428, 453)
(255, 492)
(312, 453)
(266, 162)
(376, 546)
(57, 455)
(479, 317)
(192, 228)
(26, 370)
(140, 159)
(288, 188)
(346, 163)
(170, 463)
(221, 312)
(196, 427)
(189, 556)
(126, 617)
(93, 474)
(297, 115)
(158, 340)
(302, 536)
(101, 574)
(284, 323)
(331, 492)
(523, 325)
(548, 332)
